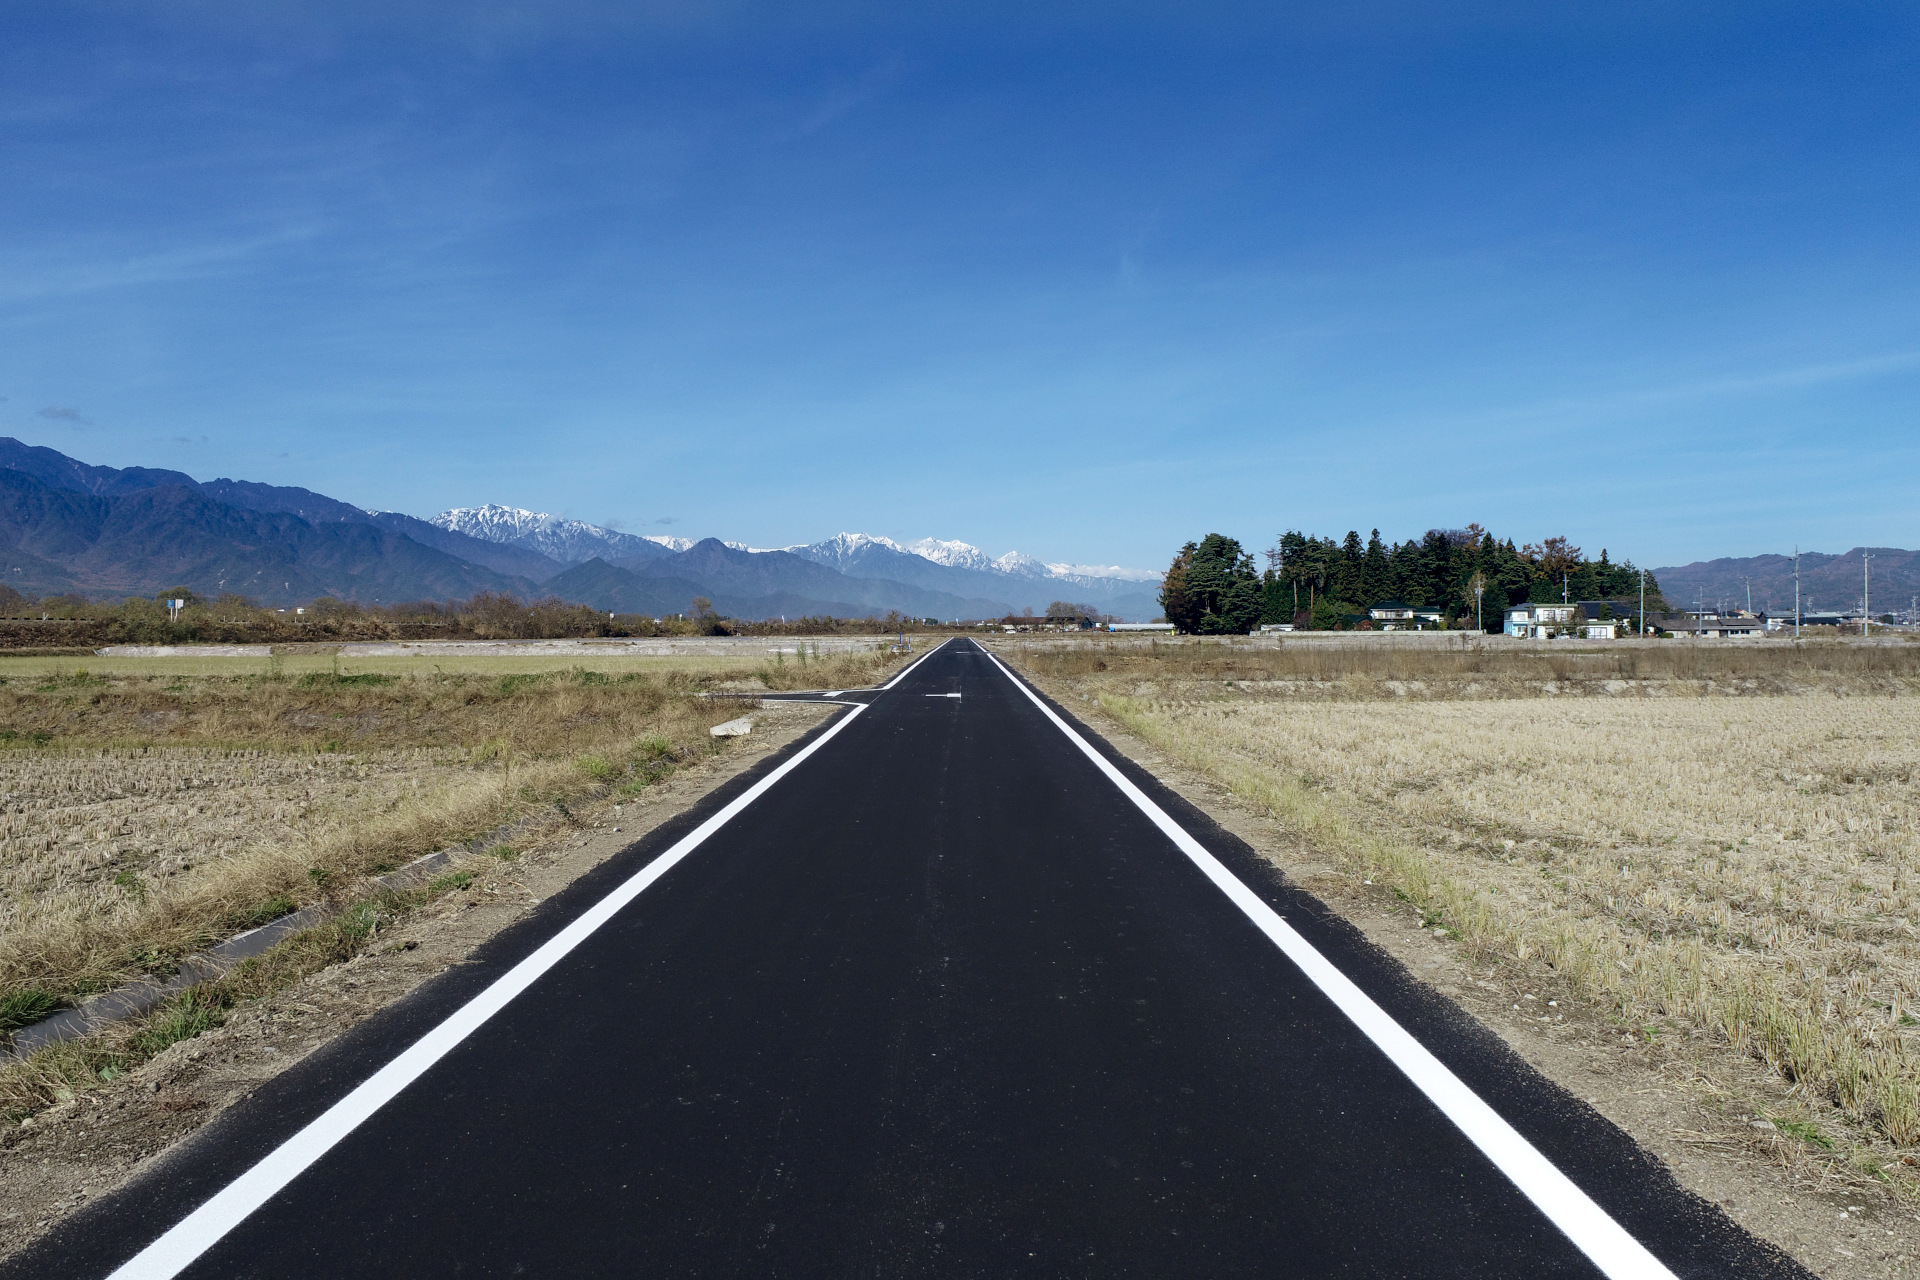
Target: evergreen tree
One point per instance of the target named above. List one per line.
(1176, 604)
(1436, 563)
(1437, 571)
(1375, 584)
(1211, 589)
(1276, 598)
(1345, 583)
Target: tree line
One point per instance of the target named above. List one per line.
(1214, 587)
(71, 620)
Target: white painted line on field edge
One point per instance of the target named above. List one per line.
(1605, 1242)
(204, 1227)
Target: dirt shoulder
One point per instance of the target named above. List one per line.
(1690, 1104)
(89, 1146)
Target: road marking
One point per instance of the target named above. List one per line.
(916, 662)
(200, 1230)
(1605, 1242)
(943, 695)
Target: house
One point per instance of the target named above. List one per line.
(1622, 610)
(1714, 626)
(1542, 621)
(1395, 615)
(1784, 621)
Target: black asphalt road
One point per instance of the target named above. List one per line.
(940, 1003)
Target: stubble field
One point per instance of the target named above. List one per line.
(1711, 846)
(145, 815)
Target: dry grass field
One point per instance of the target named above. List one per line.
(1710, 843)
(146, 814)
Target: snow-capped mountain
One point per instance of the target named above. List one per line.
(964, 555)
(962, 568)
(212, 534)
(1104, 571)
(568, 541)
(844, 549)
(955, 555)
(959, 571)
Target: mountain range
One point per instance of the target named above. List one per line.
(1829, 583)
(68, 526)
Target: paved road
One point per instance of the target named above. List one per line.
(942, 1000)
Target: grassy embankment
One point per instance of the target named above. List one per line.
(1711, 842)
(144, 815)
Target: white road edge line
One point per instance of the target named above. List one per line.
(200, 1230)
(1605, 1242)
(916, 662)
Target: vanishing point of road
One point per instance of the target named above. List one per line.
(948, 988)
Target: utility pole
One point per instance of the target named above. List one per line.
(1749, 582)
(1866, 596)
(1796, 591)
(1643, 602)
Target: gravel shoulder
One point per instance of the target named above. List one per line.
(86, 1148)
(1694, 1108)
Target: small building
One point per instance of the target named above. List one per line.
(1784, 621)
(1714, 626)
(1396, 615)
(1542, 621)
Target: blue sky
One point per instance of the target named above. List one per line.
(1085, 281)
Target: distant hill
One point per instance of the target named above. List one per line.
(70, 526)
(147, 540)
(1830, 582)
(616, 590)
(317, 508)
(58, 471)
(755, 575)
(751, 584)
(498, 556)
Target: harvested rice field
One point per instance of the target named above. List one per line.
(1723, 855)
(102, 826)
(145, 815)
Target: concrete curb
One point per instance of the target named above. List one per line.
(139, 997)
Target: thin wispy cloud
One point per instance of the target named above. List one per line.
(1724, 387)
(1089, 285)
(843, 102)
(72, 269)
